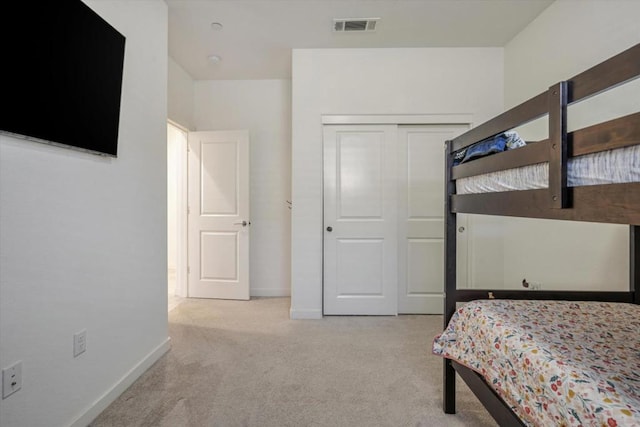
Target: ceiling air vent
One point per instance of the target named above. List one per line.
(355, 24)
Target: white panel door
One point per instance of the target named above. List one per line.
(218, 219)
(421, 218)
(360, 223)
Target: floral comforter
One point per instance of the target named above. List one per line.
(556, 363)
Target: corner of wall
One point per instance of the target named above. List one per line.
(180, 95)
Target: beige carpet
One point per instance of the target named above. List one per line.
(246, 364)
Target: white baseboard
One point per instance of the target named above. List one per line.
(270, 292)
(305, 314)
(111, 395)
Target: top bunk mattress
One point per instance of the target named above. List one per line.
(554, 362)
(605, 167)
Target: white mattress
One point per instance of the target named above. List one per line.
(606, 167)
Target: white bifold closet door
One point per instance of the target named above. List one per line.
(360, 220)
(421, 218)
(383, 218)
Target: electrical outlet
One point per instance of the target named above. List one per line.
(11, 379)
(79, 343)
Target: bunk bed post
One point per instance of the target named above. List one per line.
(450, 221)
(558, 193)
(634, 262)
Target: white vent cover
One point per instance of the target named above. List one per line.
(345, 25)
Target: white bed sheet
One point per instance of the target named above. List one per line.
(605, 167)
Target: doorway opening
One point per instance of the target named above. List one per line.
(207, 214)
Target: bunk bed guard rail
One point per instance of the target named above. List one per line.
(555, 150)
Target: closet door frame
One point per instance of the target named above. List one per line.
(464, 120)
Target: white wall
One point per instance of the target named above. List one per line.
(264, 108)
(83, 245)
(370, 81)
(567, 38)
(180, 95)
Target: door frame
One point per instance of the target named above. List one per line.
(181, 211)
(398, 120)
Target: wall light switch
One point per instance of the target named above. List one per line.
(11, 379)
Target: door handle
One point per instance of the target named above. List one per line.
(461, 229)
(329, 229)
(243, 223)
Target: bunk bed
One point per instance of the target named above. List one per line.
(507, 318)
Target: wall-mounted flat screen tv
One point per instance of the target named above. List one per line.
(61, 75)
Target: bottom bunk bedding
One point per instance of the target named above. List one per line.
(605, 167)
(554, 362)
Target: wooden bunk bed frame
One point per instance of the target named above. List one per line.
(612, 203)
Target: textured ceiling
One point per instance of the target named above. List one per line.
(258, 35)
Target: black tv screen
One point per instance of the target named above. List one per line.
(61, 74)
